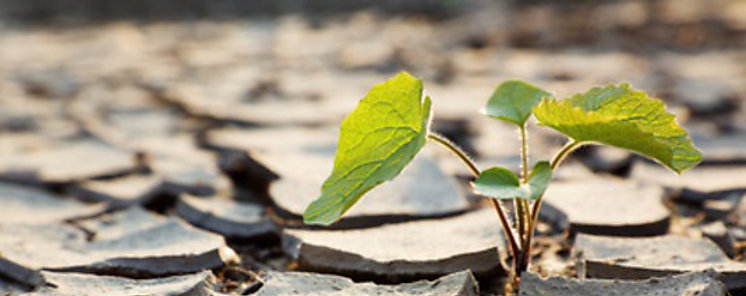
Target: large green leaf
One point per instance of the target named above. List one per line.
(625, 118)
(377, 140)
(501, 183)
(513, 100)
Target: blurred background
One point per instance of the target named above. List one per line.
(308, 62)
(94, 92)
(122, 72)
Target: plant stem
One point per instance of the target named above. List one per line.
(564, 152)
(456, 150)
(476, 172)
(526, 247)
(520, 218)
(524, 153)
(521, 207)
(527, 212)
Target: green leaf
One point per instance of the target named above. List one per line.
(377, 140)
(622, 117)
(501, 183)
(538, 179)
(513, 100)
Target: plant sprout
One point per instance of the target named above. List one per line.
(391, 125)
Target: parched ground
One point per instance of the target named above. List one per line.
(148, 153)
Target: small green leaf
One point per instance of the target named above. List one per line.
(622, 117)
(513, 100)
(501, 183)
(377, 140)
(538, 179)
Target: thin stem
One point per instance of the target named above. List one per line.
(524, 153)
(521, 207)
(564, 152)
(476, 172)
(527, 210)
(520, 218)
(456, 150)
(523, 211)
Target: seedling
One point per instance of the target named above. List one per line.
(391, 125)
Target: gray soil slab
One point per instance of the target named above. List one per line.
(10, 288)
(183, 166)
(226, 100)
(274, 139)
(118, 224)
(29, 248)
(402, 252)
(720, 234)
(231, 219)
(700, 283)
(66, 163)
(125, 113)
(123, 191)
(421, 190)
(640, 258)
(182, 176)
(31, 206)
(131, 117)
(71, 283)
(310, 284)
(132, 243)
(237, 149)
(139, 121)
(699, 183)
(610, 206)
